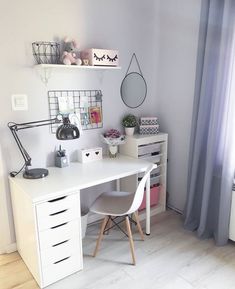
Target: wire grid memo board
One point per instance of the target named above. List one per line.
(87, 105)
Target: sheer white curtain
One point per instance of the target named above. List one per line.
(212, 155)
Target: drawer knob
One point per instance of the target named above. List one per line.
(60, 243)
(57, 213)
(57, 199)
(62, 260)
(63, 224)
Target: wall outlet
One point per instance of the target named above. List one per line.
(19, 102)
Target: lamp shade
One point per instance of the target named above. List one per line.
(67, 131)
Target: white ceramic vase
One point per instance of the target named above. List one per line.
(129, 130)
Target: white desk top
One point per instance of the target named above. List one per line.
(79, 176)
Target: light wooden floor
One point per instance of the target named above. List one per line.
(171, 258)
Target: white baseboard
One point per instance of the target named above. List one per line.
(175, 209)
(8, 249)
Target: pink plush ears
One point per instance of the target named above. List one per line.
(66, 39)
(75, 43)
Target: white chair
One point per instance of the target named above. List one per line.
(120, 204)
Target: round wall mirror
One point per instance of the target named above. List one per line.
(133, 89)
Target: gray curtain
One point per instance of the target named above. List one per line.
(212, 159)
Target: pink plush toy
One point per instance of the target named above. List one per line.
(70, 54)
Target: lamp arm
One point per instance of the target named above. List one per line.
(24, 153)
(14, 127)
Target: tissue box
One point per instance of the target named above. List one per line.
(100, 57)
(149, 129)
(90, 155)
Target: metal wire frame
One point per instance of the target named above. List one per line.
(83, 102)
(116, 224)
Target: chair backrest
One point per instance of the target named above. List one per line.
(139, 194)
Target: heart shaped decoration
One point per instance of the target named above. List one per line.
(97, 153)
(87, 154)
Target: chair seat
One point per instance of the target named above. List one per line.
(113, 203)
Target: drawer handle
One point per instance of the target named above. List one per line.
(57, 213)
(63, 224)
(57, 199)
(60, 243)
(62, 260)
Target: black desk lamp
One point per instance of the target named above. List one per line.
(65, 131)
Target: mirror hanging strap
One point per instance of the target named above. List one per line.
(134, 56)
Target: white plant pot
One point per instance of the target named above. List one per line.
(129, 130)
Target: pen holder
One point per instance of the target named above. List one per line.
(61, 162)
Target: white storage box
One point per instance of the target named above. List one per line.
(90, 155)
(100, 57)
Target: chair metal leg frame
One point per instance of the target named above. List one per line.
(116, 224)
(105, 227)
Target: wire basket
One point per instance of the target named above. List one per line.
(46, 52)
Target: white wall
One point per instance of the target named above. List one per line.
(177, 36)
(165, 41)
(125, 25)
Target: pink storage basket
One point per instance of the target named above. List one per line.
(154, 197)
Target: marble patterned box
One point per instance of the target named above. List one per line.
(149, 129)
(148, 121)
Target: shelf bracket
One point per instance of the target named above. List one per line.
(45, 74)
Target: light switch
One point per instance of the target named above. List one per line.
(19, 102)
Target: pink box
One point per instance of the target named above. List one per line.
(154, 197)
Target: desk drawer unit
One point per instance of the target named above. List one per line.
(48, 233)
(61, 268)
(152, 148)
(59, 237)
(57, 211)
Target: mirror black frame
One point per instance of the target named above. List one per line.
(121, 92)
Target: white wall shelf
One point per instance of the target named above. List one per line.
(46, 70)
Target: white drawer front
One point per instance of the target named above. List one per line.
(154, 173)
(61, 269)
(56, 205)
(152, 159)
(149, 148)
(58, 234)
(57, 218)
(60, 251)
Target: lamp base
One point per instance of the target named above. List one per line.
(35, 173)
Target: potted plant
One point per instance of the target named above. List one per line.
(129, 122)
(113, 138)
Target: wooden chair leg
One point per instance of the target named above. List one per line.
(138, 225)
(128, 227)
(109, 224)
(100, 235)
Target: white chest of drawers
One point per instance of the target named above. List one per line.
(48, 234)
(152, 148)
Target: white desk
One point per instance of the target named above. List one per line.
(47, 214)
